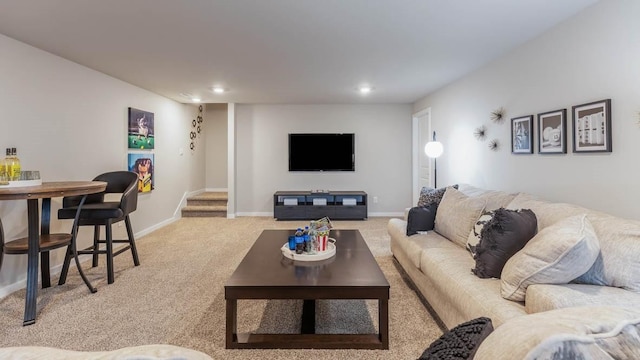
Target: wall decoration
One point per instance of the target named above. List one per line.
(480, 133)
(497, 116)
(196, 128)
(522, 135)
(141, 130)
(552, 132)
(592, 127)
(494, 145)
(143, 165)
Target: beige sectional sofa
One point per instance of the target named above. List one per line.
(440, 267)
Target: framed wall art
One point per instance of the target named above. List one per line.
(552, 132)
(143, 165)
(141, 134)
(592, 127)
(522, 135)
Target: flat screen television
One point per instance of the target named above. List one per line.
(322, 152)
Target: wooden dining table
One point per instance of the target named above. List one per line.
(33, 194)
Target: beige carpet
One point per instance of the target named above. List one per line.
(176, 296)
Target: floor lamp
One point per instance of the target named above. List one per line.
(434, 149)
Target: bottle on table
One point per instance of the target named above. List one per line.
(299, 236)
(15, 165)
(307, 240)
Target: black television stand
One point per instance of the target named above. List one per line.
(311, 205)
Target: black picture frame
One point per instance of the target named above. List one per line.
(522, 135)
(592, 127)
(552, 132)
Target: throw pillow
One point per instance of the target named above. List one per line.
(461, 342)
(503, 236)
(421, 218)
(456, 215)
(474, 236)
(430, 195)
(556, 255)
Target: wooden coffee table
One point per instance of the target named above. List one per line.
(264, 273)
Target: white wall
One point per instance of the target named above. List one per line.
(70, 123)
(215, 129)
(591, 57)
(383, 153)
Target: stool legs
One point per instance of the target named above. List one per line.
(132, 242)
(96, 245)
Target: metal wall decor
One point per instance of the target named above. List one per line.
(497, 116)
(494, 145)
(480, 133)
(196, 128)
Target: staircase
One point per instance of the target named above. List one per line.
(207, 204)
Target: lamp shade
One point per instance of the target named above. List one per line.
(433, 149)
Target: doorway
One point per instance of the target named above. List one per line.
(421, 163)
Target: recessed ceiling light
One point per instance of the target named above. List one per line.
(197, 100)
(365, 89)
(218, 90)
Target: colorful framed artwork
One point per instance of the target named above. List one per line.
(143, 165)
(141, 133)
(522, 135)
(552, 132)
(592, 127)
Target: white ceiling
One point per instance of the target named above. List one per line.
(283, 51)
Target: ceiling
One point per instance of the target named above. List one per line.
(283, 51)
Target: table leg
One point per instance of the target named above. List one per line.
(383, 322)
(44, 230)
(232, 322)
(32, 263)
(308, 317)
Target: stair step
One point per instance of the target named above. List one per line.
(204, 211)
(210, 196)
(206, 202)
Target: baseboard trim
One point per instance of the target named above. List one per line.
(183, 202)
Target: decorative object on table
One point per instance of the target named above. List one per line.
(522, 135)
(10, 167)
(196, 128)
(461, 342)
(311, 244)
(480, 133)
(592, 127)
(433, 150)
(552, 132)
(141, 130)
(494, 145)
(143, 165)
(497, 116)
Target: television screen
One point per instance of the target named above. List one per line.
(321, 152)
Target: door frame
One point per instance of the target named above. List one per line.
(415, 158)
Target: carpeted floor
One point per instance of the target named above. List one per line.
(176, 296)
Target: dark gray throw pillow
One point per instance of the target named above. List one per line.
(430, 195)
(503, 236)
(461, 342)
(421, 218)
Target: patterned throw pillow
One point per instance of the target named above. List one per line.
(474, 236)
(461, 342)
(430, 195)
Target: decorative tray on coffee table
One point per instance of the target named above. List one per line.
(291, 254)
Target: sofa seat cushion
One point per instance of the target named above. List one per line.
(544, 297)
(556, 255)
(572, 333)
(617, 264)
(456, 215)
(471, 296)
(415, 244)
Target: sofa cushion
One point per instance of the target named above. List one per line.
(456, 215)
(461, 342)
(474, 236)
(414, 245)
(142, 352)
(504, 235)
(522, 337)
(421, 218)
(545, 297)
(556, 255)
(430, 195)
(617, 265)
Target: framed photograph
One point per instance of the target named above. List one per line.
(143, 165)
(141, 130)
(552, 132)
(592, 127)
(522, 135)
